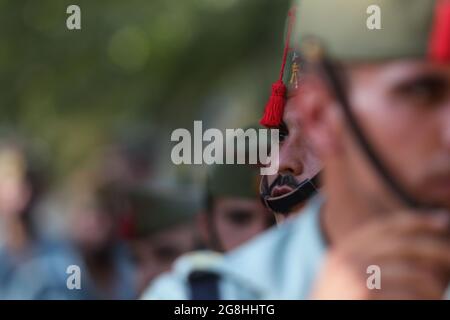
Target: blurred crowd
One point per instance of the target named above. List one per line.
(111, 221)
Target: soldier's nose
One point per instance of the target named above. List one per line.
(290, 165)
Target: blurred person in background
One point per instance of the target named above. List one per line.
(130, 157)
(100, 214)
(95, 232)
(23, 177)
(160, 227)
(93, 245)
(232, 215)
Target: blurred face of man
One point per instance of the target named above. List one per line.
(15, 190)
(92, 229)
(411, 103)
(298, 160)
(156, 253)
(237, 220)
(404, 110)
(14, 197)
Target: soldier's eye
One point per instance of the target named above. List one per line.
(425, 91)
(283, 133)
(239, 217)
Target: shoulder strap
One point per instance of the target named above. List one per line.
(204, 285)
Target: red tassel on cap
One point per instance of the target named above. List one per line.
(273, 113)
(439, 47)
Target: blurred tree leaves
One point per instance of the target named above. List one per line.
(135, 61)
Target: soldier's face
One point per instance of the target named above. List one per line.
(156, 253)
(297, 157)
(404, 110)
(236, 220)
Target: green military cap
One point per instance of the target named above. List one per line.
(233, 180)
(346, 30)
(237, 180)
(154, 210)
(407, 28)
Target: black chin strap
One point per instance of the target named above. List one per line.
(285, 203)
(330, 73)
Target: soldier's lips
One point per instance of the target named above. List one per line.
(280, 190)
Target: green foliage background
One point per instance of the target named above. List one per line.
(156, 63)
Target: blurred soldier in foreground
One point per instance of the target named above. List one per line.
(160, 228)
(376, 106)
(232, 215)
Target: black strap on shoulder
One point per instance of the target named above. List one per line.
(204, 285)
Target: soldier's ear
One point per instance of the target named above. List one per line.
(321, 116)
